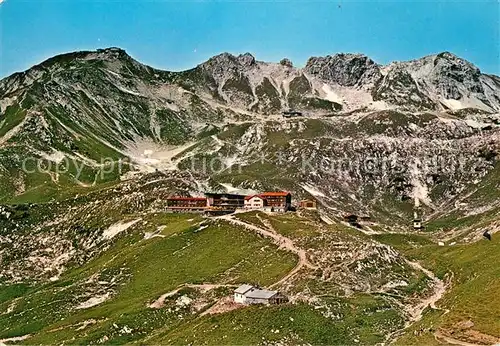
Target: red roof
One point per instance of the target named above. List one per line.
(275, 194)
(252, 196)
(265, 195)
(179, 198)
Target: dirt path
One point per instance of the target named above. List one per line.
(15, 130)
(223, 305)
(280, 240)
(443, 338)
(415, 312)
(227, 303)
(15, 339)
(160, 302)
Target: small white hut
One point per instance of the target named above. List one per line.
(248, 294)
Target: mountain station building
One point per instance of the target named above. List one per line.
(186, 204)
(279, 201)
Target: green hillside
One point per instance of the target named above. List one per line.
(134, 272)
(472, 272)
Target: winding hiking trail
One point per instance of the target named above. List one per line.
(416, 312)
(280, 240)
(160, 302)
(443, 338)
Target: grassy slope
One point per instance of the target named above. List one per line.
(145, 269)
(475, 289)
(362, 318)
(357, 318)
(148, 268)
(12, 117)
(485, 194)
(40, 188)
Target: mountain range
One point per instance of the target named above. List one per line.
(88, 106)
(92, 143)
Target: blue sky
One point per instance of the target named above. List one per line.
(178, 35)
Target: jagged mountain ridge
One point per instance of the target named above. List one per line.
(326, 84)
(352, 81)
(90, 105)
(126, 99)
(435, 82)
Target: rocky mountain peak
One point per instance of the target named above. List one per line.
(444, 64)
(435, 82)
(450, 81)
(228, 60)
(111, 50)
(246, 59)
(452, 59)
(351, 70)
(286, 62)
(225, 64)
(450, 64)
(62, 62)
(450, 70)
(104, 54)
(111, 53)
(447, 55)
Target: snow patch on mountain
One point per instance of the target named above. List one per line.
(452, 104)
(330, 94)
(475, 124)
(312, 190)
(149, 156)
(93, 301)
(236, 190)
(128, 91)
(118, 228)
(56, 156)
(420, 191)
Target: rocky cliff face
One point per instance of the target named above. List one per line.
(436, 82)
(349, 70)
(452, 82)
(398, 87)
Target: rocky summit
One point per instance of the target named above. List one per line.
(92, 144)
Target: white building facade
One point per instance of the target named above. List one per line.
(254, 202)
(239, 293)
